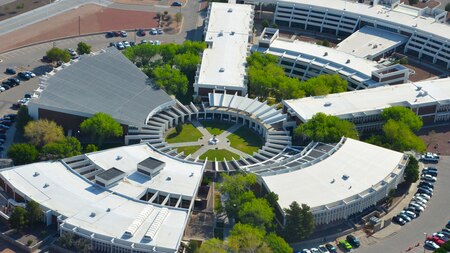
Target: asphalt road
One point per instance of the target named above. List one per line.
(433, 219)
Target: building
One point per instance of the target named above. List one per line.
(228, 31)
(428, 99)
(103, 198)
(335, 180)
(102, 82)
(428, 35)
(305, 60)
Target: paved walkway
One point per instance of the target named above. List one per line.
(204, 142)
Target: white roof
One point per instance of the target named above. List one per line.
(184, 176)
(74, 197)
(370, 41)
(228, 33)
(398, 16)
(320, 55)
(372, 100)
(365, 164)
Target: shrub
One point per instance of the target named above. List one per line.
(29, 242)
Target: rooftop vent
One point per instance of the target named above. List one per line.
(325, 54)
(108, 210)
(168, 178)
(345, 176)
(92, 215)
(332, 181)
(230, 10)
(220, 33)
(222, 70)
(118, 158)
(232, 33)
(192, 174)
(327, 104)
(418, 88)
(46, 185)
(36, 174)
(348, 61)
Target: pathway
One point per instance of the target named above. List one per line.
(204, 142)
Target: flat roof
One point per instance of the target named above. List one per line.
(228, 31)
(151, 163)
(109, 213)
(323, 56)
(369, 41)
(372, 100)
(397, 16)
(322, 183)
(178, 177)
(110, 174)
(105, 82)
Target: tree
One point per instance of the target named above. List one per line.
(187, 63)
(326, 128)
(440, 250)
(90, 148)
(447, 7)
(413, 2)
(398, 136)
(265, 23)
(142, 53)
(83, 48)
(22, 118)
(67, 147)
(213, 245)
(272, 199)
(403, 115)
(22, 153)
(237, 188)
(170, 79)
(325, 43)
(324, 84)
(412, 170)
(257, 213)
(446, 246)
(18, 219)
(245, 238)
(277, 244)
(101, 126)
(299, 222)
(192, 247)
(34, 212)
(58, 55)
(178, 18)
(42, 132)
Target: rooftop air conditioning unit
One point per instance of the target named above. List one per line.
(348, 61)
(222, 70)
(230, 10)
(327, 104)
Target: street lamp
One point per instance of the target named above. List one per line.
(425, 240)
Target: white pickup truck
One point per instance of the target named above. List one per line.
(429, 157)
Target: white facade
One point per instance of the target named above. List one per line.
(338, 182)
(427, 36)
(228, 30)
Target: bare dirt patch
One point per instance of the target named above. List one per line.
(437, 139)
(84, 20)
(149, 2)
(18, 7)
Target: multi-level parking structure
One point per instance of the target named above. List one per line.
(428, 37)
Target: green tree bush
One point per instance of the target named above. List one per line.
(170, 79)
(83, 48)
(324, 84)
(42, 132)
(90, 148)
(101, 126)
(22, 118)
(403, 115)
(67, 147)
(256, 213)
(397, 136)
(18, 219)
(34, 212)
(277, 244)
(447, 7)
(413, 2)
(22, 153)
(326, 128)
(299, 222)
(412, 172)
(58, 55)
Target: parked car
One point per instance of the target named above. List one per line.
(417, 207)
(10, 116)
(429, 178)
(425, 196)
(143, 42)
(140, 32)
(353, 240)
(3, 136)
(314, 250)
(153, 31)
(120, 46)
(112, 44)
(10, 71)
(306, 251)
(73, 53)
(409, 214)
(397, 219)
(2, 89)
(157, 42)
(345, 245)
(24, 76)
(6, 87)
(123, 34)
(431, 169)
(132, 43)
(414, 210)
(405, 217)
(323, 249)
(6, 122)
(160, 31)
(4, 126)
(431, 244)
(427, 184)
(126, 44)
(429, 157)
(425, 191)
(177, 3)
(331, 248)
(14, 81)
(30, 73)
(109, 35)
(419, 203)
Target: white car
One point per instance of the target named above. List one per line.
(417, 207)
(421, 200)
(30, 73)
(314, 250)
(419, 203)
(409, 214)
(126, 44)
(429, 178)
(123, 34)
(432, 244)
(306, 251)
(153, 31)
(2, 89)
(425, 196)
(120, 45)
(440, 235)
(430, 157)
(157, 42)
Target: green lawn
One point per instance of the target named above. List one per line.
(245, 140)
(216, 127)
(188, 149)
(189, 133)
(219, 154)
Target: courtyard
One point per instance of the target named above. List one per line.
(214, 140)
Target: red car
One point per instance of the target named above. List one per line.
(436, 239)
